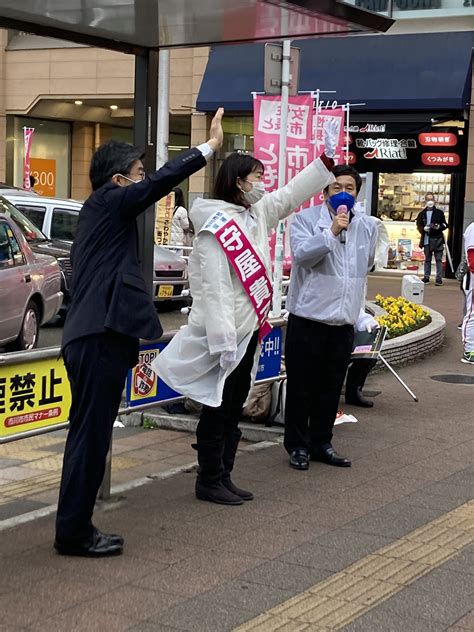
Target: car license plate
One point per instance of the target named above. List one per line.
(165, 291)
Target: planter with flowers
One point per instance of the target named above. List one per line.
(413, 331)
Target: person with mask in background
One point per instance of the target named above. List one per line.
(333, 249)
(431, 223)
(213, 360)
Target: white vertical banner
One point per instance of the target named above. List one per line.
(27, 139)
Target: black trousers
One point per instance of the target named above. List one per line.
(218, 434)
(97, 367)
(316, 358)
(358, 372)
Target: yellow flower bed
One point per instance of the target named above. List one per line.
(402, 316)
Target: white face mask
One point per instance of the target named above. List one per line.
(430, 204)
(256, 193)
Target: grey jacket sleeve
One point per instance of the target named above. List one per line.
(309, 248)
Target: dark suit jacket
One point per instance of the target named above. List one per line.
(108, 289)
(437, 217)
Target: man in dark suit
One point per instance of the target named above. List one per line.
(430, 223)
(110, 310)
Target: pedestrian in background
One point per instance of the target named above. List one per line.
(213, 360)
(431, 223)
(333, 249)
(180, 225)
(111, 308)
(468, 322)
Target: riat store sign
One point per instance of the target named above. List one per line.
(388, 148)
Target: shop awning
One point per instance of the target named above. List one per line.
(386, 72)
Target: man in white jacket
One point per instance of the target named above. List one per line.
(468, 322)
(333, 249)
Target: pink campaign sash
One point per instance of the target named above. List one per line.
(247, 265)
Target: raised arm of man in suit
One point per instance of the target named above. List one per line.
(132, 196)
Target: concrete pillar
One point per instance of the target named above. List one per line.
(199, 183)
(3, 123)
(82, 150)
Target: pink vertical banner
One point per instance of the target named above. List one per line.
(27, 138)
(299, 145)
(319, 121)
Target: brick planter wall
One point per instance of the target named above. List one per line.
(415, 345)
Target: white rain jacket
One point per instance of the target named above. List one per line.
(222, 317)
(328, 277)
(179, 225)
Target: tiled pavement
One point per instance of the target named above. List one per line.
(390, 541)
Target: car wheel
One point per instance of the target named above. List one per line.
(28, 338)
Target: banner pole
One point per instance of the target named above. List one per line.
(279, 242)
(408, 390)
(347, 131)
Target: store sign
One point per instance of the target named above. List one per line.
(44, 172)
(33, 395)
(164, 210)
(386, 148)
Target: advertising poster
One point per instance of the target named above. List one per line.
(33, 395)
(164, 209)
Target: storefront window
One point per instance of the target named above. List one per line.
(50, 155)
(401, 198)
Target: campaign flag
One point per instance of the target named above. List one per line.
(27, 138)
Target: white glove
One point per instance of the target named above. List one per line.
(227, 359)
(366, 322)
(426, 229)
(331, 133)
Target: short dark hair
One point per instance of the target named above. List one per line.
(178, 197)
(347, 170)
(32, 181)
(429, 193)
(235, 166)
(112, 157)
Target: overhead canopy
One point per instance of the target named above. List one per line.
(398, 72)
(134, 25)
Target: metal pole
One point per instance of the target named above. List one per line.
(398, 378)
(104, 491)
(448, 254)
(163, 117)
(280, 234)
(347, 132)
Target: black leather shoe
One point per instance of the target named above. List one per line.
(217, 493)
(299, 459)
(330, 456)
(101, 545)
(242, 493)
(355, 398)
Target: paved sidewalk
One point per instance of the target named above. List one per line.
(387, 545)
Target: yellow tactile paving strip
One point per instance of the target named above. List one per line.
(345, 596)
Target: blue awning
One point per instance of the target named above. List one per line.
(386, 72)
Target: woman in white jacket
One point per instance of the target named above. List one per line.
(213, 359)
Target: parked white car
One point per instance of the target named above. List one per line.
(58, 218)
(30, 289)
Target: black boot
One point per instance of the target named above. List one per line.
(232, 440)
(209, 484)
(356, 398)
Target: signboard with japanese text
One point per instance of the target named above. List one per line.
(270, 357)
(44, 172)
(299, 153)
(33, 395)
(164, 210)
(142, 385)
(406, 147)
(319, 121)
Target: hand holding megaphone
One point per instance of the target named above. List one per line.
(340, 222)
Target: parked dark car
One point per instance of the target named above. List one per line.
(40, 244)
